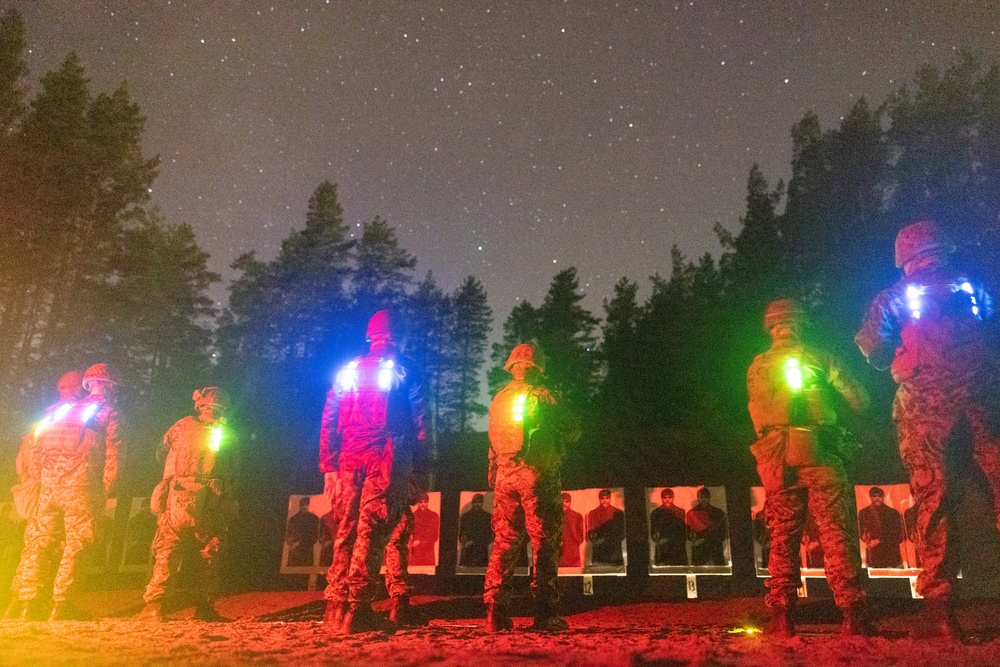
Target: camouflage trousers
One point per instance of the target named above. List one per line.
(372, 501)
(183, 520)
(928, 418)
(823, 493)
(397, 556)
(525, 501)
(75, 508)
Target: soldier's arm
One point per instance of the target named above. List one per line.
(329, 438)
(879, 334)
(415, 396)
(853, 392)
(754, 389)
(35, 460)
(114, 452)
(22, 462)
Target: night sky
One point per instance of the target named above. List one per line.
(503, 139)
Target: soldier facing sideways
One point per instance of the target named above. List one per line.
(928, 329)
(791, 388)
(372, 435)
(528, 431)
(194, 501)
(76, 460)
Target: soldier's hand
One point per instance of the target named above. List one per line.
(874, 543)
(331, 486)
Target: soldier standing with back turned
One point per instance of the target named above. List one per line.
(791, 388)
(76, 458)
(928, 328)
(528, 432)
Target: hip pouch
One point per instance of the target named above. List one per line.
(814, 446)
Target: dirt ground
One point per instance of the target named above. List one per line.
(285, 629)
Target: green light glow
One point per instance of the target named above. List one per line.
(215, 438)
(793, 374)
(519, 407)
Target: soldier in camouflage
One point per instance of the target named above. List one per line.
(791, 388)
(70, 391)
(928, 328)
(372, 434)
(76, 459)
(194, 501)
(528, 431)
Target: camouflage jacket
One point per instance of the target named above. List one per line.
(77, 445)
(927, 324)
(374, 398)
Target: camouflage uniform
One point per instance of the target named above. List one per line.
(795, 487)
(527, 489)
(396, 551)
(371, 425)
(927, 327)
(76, 459)
(30, 526)
(192, 501)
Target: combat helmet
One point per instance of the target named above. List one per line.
(920, 238)
(97, 373)
(783, 311)
(525, 353)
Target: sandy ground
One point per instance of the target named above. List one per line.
(284, 629)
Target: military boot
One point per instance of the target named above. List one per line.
(151, 613)
(858, 622)
(497, 619)
(360, 617)
(13, 609)
(333, 616)
(547, 619)
(205, 611)
(782, 623)
(400, 610)
(64, 610)
(30, 611)
(936, 621)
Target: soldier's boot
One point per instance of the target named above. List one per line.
(400, 611)
(547, 620)
(29, 610)
(360, 617)
(497, 619)
(333, 616)
(64, 610)
(151, 613)
(205, 611)
(936, 621)
(13, 609)
(782, 623)
(858, 622)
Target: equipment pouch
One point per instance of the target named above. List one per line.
(543, 449)
(770, 455)
(801, 447)
(158, 499)
(26, 497)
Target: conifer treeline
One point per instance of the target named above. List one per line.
(89, 271)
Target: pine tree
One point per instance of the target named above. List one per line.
(384, 268)
(619, 393)
(472, 319)
(430, 322)
(12, 69)
(566, 337)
